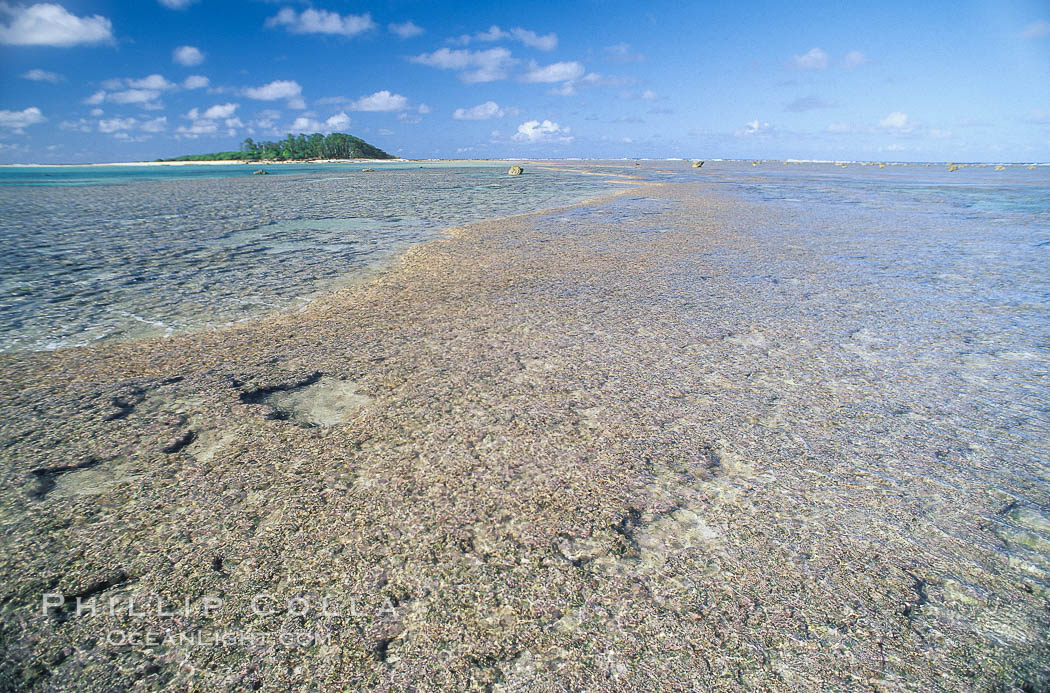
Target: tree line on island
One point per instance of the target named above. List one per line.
(337, 145)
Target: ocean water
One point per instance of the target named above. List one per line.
(93, 253)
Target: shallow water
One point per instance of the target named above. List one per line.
(94, 253)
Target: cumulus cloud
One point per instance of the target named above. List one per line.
(311, 21)
(489, 109)
(855, 59)
(555, 72)
(138, 96)
(217, 112)
(177, 4)
(195, 82)
(815, 59)
(380, 101)
(153, 81)
(111, 125)
(38, 75)
(473, 66)
(143, 92)
(277, 90)
(188, 56)
(81, 125)
(47, 24)
(544, 42)
(1036, 30)
(197, 128)
(533, 131)
(898, 122)
(809, 103)
(17, 120)
(405, 29)
(155, 125)
(340, 121)
(755, 128)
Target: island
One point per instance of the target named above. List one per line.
(337, 145)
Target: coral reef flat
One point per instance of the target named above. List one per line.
(669, 439)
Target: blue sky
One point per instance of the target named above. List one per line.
(86, 80)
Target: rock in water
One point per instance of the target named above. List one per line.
(515, 171)
(260, 172)
(698, 164)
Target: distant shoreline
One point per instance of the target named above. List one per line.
(235, 162)
(259, 162)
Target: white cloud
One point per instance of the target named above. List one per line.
(1037, 29)
(340, 121)
(47, 24)
(815, 59)
(384, 131)
(839, 128)
(423, 108)
(489, 109)
(38, 75)
(140, 96)
(195, 82)
(809, 103)
(16, 120)
(622, 53)
(188, 56)
(97, 112)
(649, 95)
(380, 101)
(267, 119)
(544, 42)
(755, 129)
(534, 131)
(555, 72)
(96, 98)
(855, 59)
(277, 90)
(177, 4)
(898, 122)
(473, 66)
(81, 125)
(198, 128)
(155, 125)
(593, 79)
(217, 112)
(405, 29)
(311, 21)
(112, 125)
(494, 33)
(153, 81)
